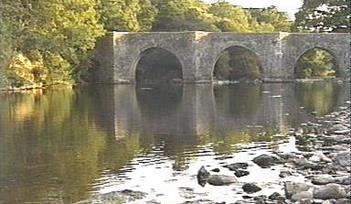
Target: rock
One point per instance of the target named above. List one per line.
(303, 195)
(329, 191)
(241, 173)
(343, 201)
(265, 161)
(260, 199)
(292, 188)
(202, 176)
(302, 163)
(221, 180)
(236, 166)
(342, 159)
(123, 196)
(251, 188)
(319, 157)
(216, 170)
(274, 196)
(284, 174)
(322, 179)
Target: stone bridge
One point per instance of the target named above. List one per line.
(118, 53)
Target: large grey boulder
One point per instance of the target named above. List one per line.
(292, 188)
(266, 161)
(329, 191)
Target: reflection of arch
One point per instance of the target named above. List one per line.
(159, 101)
(145, 52)
(335, 60)
(239, 47)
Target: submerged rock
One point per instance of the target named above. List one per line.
(265, 161)
(221, 180)
(251, 188)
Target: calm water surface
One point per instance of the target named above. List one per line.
(63, 145)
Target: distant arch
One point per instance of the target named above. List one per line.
(334, 60)
(156, 64)
(237, 53)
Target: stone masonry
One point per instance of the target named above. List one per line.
(118, 53)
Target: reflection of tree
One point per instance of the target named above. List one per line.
(239, 100)
(320, 98)
(236, 63)
(49, 148)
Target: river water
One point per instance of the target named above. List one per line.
(64, 145)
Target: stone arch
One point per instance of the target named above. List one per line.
(143, 52)
(305, 50)
(219, 53)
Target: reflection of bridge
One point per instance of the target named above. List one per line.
(119, 53)
(199, 109)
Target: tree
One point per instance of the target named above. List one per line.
(324, 16)
(183, 15)
(50, 39)
(271, 15)
(127, 15)
(230, 18)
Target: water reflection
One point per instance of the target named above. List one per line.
(56, 145)
(319, 98)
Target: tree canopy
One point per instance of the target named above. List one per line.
(324, 16)
(50, 41)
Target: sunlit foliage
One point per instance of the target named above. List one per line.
(316, 63)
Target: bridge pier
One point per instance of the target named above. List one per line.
(118, 53)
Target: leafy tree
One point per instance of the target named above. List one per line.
(230, 18)
(127, 15)
(49, 38)
(271, 15)
(183, 15)
(316, 63)
(324, 16)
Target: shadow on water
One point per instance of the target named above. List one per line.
(60, 145)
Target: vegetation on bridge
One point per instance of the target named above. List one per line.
(48, 42)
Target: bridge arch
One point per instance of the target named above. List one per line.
(245, 52)
(306, 50)
(157, 60)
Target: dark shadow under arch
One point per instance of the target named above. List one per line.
(317, 62)
(158, 65)
(237, 63)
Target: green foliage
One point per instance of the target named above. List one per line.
(272, 16)
(237, 63)
(50, 39)
(316, 63)
(324, 16)
(182, 15)
(128, 15)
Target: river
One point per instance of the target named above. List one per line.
(63, 145)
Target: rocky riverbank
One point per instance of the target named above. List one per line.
(321, 161)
